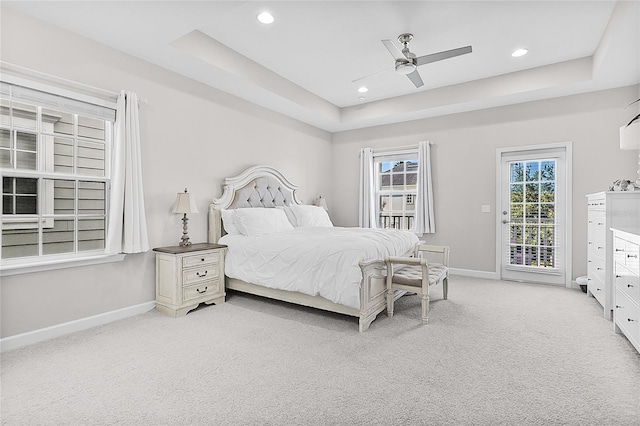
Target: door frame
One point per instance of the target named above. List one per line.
(568, 250)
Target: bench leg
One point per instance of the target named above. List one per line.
(390, 303)
(445, 288)
(425, 307)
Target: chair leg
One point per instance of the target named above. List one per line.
(390, 302)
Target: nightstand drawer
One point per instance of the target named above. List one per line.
(200, 259)
(202, 290)
(202, 273)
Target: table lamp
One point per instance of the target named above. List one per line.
(185, 203)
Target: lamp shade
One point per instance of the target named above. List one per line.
(185, 203)
(630, 136)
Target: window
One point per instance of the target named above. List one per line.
(54, 160)
(396, 178)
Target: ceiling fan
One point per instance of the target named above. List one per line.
(407, 63)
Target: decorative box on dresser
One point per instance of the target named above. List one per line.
(626, 314)
(188, 276)
(606, 210)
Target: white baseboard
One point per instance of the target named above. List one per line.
(474, 274)
(20, 340)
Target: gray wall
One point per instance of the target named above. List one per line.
(464, 164)
(192, 136)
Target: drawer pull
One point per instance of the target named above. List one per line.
(600, 247)
(203, 291)
(630, 320)
(598, 289)
(600, 223)
(630, 285)
(202, 275)
(619, 249)
(618, 276)
(632, 256)
(598, 269)
(618, 307)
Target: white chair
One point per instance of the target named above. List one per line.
(417, 275)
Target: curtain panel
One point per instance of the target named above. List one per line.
(127, 232)
(366, 206)
(424, 222)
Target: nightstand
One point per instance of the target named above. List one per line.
(188, 276)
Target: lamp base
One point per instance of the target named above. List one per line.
(184, 241)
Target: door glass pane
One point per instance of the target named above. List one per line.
(534, 204)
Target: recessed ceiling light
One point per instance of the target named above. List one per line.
(266, 18)
(361, 98)
(519, 52)
(363, 89)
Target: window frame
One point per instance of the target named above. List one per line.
(46, 176)
(394, 155)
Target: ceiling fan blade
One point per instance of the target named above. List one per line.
(446, 54)
(395, 52)
(371, 75)
(415, 78)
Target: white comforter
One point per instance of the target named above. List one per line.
(315, 261)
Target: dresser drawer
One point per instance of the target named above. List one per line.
(628, 283)
(596, 287)
(200, 259)
(204, 289)
(595, 268)
(201, 273)
(631, 252)
(627, 317)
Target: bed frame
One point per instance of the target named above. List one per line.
(264, 186)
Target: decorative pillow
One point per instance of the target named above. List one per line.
(228, 221)
(310, 215)
(254, 222)
(289, 213)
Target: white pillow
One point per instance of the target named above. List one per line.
(310, 215)
(228, 221)
(289, 213)
(254, 222)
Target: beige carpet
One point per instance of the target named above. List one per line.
(495, 353)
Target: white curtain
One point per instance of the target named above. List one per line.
(424, 222)
(366, 206)
(127, 231)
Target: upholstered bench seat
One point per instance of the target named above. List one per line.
(412, 274)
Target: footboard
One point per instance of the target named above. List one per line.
(373, 291)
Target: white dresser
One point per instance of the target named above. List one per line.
(607, 210)
(626, 314)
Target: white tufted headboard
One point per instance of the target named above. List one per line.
(258, 186)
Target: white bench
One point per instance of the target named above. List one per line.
(417, 275)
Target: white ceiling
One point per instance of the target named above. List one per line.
(303, 64)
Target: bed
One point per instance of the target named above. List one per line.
(331, 268)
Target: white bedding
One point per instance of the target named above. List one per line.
(319, 261)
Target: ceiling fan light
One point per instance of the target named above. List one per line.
(362, 89)
(405, 67)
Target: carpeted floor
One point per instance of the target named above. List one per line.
(495, 353)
